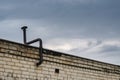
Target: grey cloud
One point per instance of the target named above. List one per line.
(106, 53)
(97, 42)
(110, 48)
(109, 54)
(90, 19)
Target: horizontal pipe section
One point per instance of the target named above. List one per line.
(35, 40)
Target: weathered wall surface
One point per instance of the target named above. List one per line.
(18, 62)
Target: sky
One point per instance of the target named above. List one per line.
(85, 28)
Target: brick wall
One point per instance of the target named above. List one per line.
(18, 62)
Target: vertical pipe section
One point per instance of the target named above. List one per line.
(24, 34)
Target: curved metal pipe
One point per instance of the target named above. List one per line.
(33, 41)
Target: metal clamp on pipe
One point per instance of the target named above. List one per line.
(33, 41)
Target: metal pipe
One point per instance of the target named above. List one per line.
(24, 34)
(33, 41)
(40, 49)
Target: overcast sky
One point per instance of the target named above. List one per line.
(86, 28)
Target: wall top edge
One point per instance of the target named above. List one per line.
(55, 53)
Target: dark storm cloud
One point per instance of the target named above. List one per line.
(67, 18)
